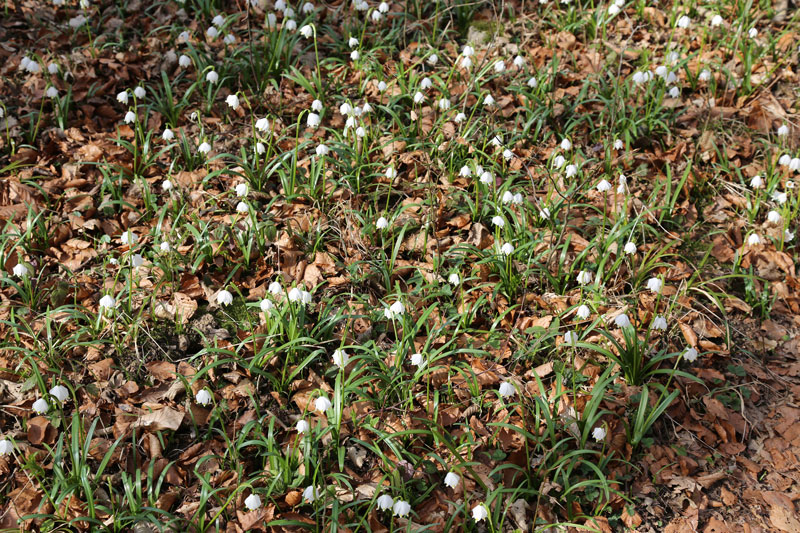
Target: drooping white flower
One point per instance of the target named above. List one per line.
(630, 248)
(716, 20)
(753, 239)
(311, 493)
(340, 358)
(122, 97)
(566, 144)
(107, 302)
(640, 77)
(51, 92)
(444, 104)
(252, 502)
(419, 97)
(480, 512)
(382, 223)
(164, 247)
(519, 61)
(396, 310)
(507, 249)
(559, 161)
(451, 480)
(517, 200)
(622, 321)
(391, 173)
(584, 277)
(460, 117)
(60, 393)
(302, 427)
(533, 82)
(241, 190)
(295, 294)
(684, 21)
(500, 66)
(52, 68)
(783, 131)
(757, 182)
(599, 433)
(203, 397)
(571, 170)
(306, 31)
(204, 148)
(753, 33)
(377, 15)
(382, 86)
(40, 406)
(224, 297)
(184, 61)
(313, 120)
(507, 390)
(322, 150)
(384, 502)
(774, 217)
(654, 285)
(659, 323)
(322, 404)
(401, 508)
(275, 288)
(233, 101)
(433, 59)
(623, 183)
(168, 135)
(212, 76)
(788, 236)
(417, 359)
(674, 92)
(583, 312)
(508, 154)
(139, 92)
(130, 117)
(604, 186)
(453, 279)
(498, 221)
(20, 270)
(262, 124)
(242, 207)
(690, 355)
(266, 305)
(570, 337)
(6, 448)
(488, 101)
(618, 144)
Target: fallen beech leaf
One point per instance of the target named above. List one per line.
(165, 418)
(41, 431)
